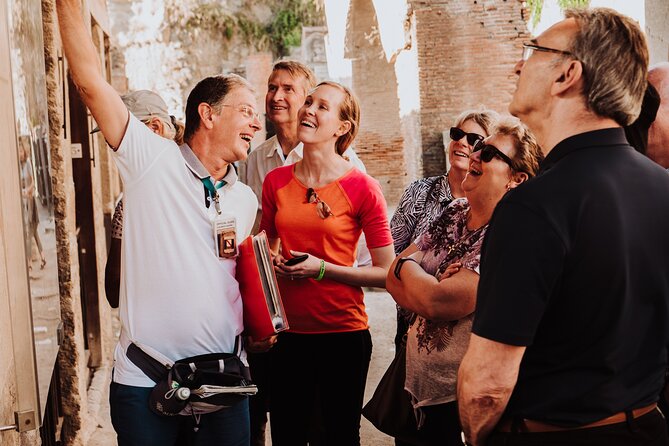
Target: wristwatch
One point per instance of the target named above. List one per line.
(398, 265)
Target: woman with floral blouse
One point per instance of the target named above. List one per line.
(436, 277)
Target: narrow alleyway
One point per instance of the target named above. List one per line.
(381, 310)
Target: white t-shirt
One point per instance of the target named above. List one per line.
(176, 296)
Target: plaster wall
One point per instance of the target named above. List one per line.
(657, 30)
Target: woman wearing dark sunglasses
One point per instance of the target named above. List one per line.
(437, 276)
(319, 207)
(425, 199)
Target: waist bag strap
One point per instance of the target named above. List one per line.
(151, 367)
(156, 370)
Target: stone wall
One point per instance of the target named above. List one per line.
(466, 53)
(657, 30)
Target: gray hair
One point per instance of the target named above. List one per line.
(614, 54)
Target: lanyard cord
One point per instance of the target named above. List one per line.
(213, 191)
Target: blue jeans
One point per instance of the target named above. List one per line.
(137, 425)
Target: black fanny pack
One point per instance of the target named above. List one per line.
(196, 385)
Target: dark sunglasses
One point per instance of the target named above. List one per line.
(457, 134)
(488, 152)
(322, 208)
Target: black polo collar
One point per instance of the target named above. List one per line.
(605, 137)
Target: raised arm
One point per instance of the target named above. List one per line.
(415, 290)
(486, 378)
(103, 101)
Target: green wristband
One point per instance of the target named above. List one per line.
(321, 273)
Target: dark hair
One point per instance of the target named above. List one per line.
(210, 90)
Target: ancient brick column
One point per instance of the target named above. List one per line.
(380, 143)
(466, 53)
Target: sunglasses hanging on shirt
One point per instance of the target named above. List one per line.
(322, 208)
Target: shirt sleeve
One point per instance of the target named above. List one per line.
(374, 217)
(521, 261)
(403, 223)
(269, 207)
(139, 150)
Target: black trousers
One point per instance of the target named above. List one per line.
(440, 428)
(259, 403)
(647, 430)
(318, 373)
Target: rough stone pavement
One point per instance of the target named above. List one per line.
(381, 310)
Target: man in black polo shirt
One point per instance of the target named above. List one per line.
(569, 344)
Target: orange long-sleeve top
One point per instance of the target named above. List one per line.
(357, 205)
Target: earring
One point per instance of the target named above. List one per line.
(508, 186)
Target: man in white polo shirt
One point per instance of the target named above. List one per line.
(178, 294)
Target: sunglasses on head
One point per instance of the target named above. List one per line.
(457, 134)
(488, 152)
(322, 208)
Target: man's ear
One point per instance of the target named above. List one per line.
(206, 112)
(517, 179)
(570, 76)
(343, 128)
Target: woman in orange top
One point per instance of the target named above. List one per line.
(319, 207)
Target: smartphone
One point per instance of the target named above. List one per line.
(295, 260)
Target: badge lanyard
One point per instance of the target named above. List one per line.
(213, 192)
(225, 232)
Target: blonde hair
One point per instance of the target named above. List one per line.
(614, 54)
(297, 69)
(484, 118)
(179, 130)
(349, 110)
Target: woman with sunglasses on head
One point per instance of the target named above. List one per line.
(319, 206)
(437, 276)
(424, 200)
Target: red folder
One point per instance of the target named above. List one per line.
(264, 315)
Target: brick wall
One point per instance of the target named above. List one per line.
(466, 53)
(380, 143)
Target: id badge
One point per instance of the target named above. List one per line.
(225, 234)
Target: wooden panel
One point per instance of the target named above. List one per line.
(88, 268)
(17, 392)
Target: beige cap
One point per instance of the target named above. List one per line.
(145, 104)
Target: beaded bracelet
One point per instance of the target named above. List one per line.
(321, 273)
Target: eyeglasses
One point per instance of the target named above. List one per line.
(488, 152)
(245, 110)
(322, 207)
(457, 134)
(530, 48)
